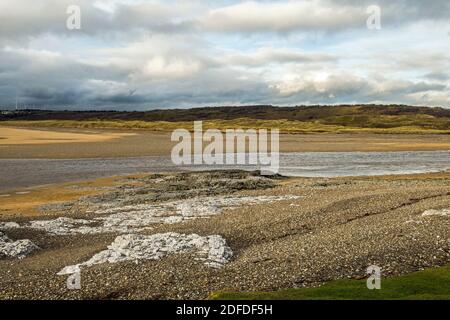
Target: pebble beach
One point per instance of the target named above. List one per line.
(187, 235)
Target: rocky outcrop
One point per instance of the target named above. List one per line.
(141, 217)
(213, 250)
(15, 249)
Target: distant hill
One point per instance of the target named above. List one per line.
(323, 117)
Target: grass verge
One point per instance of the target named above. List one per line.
(430, 284)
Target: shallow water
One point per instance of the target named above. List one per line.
(32, 172)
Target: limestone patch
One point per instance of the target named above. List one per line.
(442, 213)
(213, 249)
(141, 217)
(15, 249)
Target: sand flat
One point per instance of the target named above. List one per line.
(74, 143)
(20, 136)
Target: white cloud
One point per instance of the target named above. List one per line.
(321, 84)
(255, 16)
(159, 67)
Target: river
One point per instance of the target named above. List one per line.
(21, 173)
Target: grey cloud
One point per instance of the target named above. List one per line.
(68, 83)
(269, 55)
(63, 82)
(438, 75)
(22, 18)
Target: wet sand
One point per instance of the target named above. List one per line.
(111, 143)
(25, 202)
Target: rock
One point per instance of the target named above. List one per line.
(8, 225)
(15, 249)
(59, 226)
(133, 247)
(442, 213)
(140, 217)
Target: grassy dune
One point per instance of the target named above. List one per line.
(428, 284)
(301, 119)
(384, 124)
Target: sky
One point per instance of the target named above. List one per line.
(143, 55)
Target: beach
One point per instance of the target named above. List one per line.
(110, 206)
(282, 233)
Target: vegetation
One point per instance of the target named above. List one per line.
(423, 285)
(285, 126)
(311, 119)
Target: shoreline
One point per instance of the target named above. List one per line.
(112, 180)
(5, 193)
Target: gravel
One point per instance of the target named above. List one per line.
(318, 230)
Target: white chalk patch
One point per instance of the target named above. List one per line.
(5, 195)
(22, 192)
(15, 249)
(9, 225)
(138, 218)
(442, 213)
(61, 226)
(414, 221)
(132, 247)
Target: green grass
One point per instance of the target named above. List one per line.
(285, 126)
(430, 284)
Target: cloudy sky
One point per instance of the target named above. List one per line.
(137, 55)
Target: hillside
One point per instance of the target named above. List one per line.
(344, 118)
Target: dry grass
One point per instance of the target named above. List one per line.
(381, 124)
